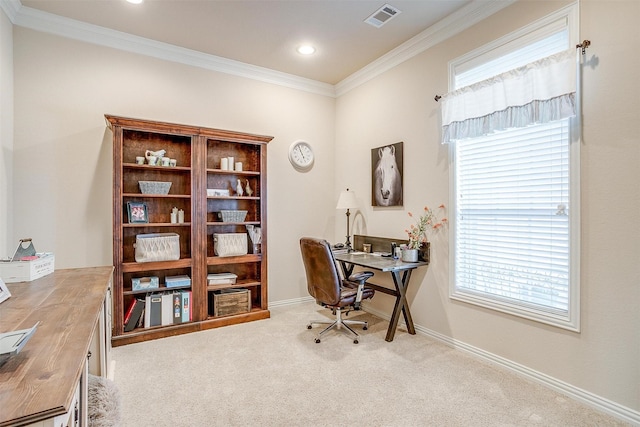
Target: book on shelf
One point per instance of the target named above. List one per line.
(153, 312)
(166, 318)
(133, 317)
(186, 305)
(129, 311)
(176, 307)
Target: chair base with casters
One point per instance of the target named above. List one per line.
(340, 324)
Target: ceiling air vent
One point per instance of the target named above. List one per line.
(382, 15)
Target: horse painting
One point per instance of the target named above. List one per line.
(387, 175)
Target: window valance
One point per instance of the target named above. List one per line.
(540, 92)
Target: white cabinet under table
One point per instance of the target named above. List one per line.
(45, 384)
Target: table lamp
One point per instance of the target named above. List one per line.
(346, 201)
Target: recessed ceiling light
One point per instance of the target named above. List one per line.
(135, 1)
(306, 49)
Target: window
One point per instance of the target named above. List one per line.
(515, 198)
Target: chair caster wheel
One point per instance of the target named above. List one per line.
(308, 326)
(317, 340)
(364, 328)
(355, 341)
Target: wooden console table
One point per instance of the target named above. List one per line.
(45, 384)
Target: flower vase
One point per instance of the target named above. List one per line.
(424, 252)
(410, 255)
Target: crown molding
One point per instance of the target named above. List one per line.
(11, 8)
(53, 24)
(453, 24)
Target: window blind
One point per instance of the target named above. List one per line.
(512, 239)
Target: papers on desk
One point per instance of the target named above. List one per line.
(12, 342)
(384, 254)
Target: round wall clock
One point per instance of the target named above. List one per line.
(301, 155)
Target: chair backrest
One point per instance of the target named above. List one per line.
(323, 280)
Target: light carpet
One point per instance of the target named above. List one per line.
(272, 373)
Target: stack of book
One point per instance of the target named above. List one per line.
(158, 309)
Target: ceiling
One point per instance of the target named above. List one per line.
(266, 33)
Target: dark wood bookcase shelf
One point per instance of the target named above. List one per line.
(198, 152)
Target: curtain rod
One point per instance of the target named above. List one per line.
(584, 45)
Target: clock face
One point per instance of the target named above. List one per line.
(301, 155)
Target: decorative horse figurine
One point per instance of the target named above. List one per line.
(387, 188)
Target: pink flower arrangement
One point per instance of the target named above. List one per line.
(427, 222)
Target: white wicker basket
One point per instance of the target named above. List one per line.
(230, 244)
(157, 247)
(154, 187)
(233, 216)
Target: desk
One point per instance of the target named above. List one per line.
(401, 274)
(45, 383)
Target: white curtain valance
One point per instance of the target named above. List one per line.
(539, 92)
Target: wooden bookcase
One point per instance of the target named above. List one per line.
(198, 152)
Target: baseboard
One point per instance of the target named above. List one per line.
(293, 301)
(597, 402)
(111, 372)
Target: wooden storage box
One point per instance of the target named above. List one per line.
(229, 301)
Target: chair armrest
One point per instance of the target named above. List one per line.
(361, 278)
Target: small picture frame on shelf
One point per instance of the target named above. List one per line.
(137, 212)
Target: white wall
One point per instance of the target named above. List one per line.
(63, 150)
(62, 174)
(398, 106)
(6, 134)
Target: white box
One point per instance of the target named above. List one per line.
(217, 192)
(177, 281)
(222, 278)
(26, 271)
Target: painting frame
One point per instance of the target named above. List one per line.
(137, 213)
(387, 175)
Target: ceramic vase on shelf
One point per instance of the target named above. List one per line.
(409, 255)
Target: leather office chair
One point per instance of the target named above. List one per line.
(325, 285)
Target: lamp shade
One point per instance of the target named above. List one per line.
(347, 200)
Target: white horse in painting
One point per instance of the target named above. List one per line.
(387, 179)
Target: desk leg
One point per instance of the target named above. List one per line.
(347, 269)
(401, 304)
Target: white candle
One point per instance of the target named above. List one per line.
(238, 166)
(230, 159)
(224, 164)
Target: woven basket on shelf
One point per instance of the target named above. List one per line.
(233, 216)
(154, 187)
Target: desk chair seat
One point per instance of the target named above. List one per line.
(325, 285)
